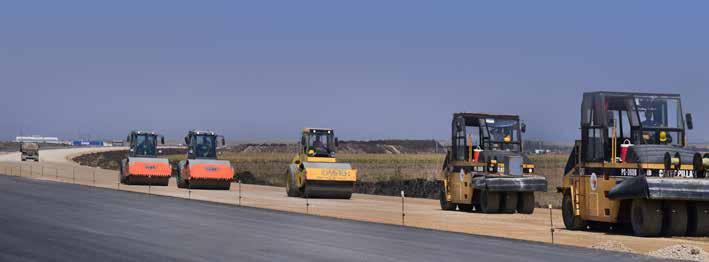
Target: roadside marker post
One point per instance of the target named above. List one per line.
(239, 191)
(551, 225)
(403, 211)
(56, 174)
(73, 176)
(93, 177)
(307, 205)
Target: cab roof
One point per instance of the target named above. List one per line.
(471, 119)
(308, 129)
(611, 93)
(141, 132)
(202, 132)
(484, 115)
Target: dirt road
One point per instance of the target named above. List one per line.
(422, 213)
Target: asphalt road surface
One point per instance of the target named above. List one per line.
(49, 221)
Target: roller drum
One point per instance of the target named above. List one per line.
(329, 189)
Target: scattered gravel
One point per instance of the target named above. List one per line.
(611, 245)
(681, 252)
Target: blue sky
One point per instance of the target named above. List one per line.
(262, 70)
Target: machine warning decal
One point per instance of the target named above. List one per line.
(594, 182)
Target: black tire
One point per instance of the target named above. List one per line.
(123, 179)
(646, 217)
(489, 202)
(445, 205)
(509, 202)
(675, 218)
(181, 183)
(526, 203)
(571, 221)
(698, 219)
(291, 189)
(465, 208)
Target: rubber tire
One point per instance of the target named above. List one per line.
(526, 203)
(445, 205)
(465, 207)
(123, 179)
(646, 217)
(489, 202)
(675, 218)
(509, 202)
(698, 219)
(291, 189)
(571, 222)
(181, 183)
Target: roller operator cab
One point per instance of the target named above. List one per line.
(202, 169)
(632, 166)
(314, 172)
(485, 168)
(141, 166)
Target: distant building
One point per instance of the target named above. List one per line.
(38, 139)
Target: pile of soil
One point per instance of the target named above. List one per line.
(681, 252)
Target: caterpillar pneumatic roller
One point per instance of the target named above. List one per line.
(632, 166)
(485, 168)
(315, 172)
(142, 166)
(202, 169)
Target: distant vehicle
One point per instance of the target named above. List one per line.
(202, 169)
(29, 151)
(315, 173)
(632, 166)
(485, 168)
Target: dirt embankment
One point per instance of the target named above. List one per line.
(393, 146)
(111, 160)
